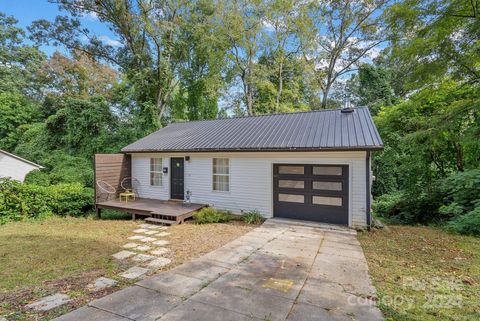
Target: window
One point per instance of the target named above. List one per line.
(328, 186)
(221, 174)
(284, 183)
(156, 171)
(326, 200)
(295, 170)
(327, 170)
(291, 198)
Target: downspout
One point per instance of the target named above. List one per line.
(368, 189)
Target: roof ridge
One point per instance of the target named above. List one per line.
(263, 115)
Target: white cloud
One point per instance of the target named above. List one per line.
(109, 41)
(90, 15)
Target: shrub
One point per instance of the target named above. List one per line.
(22, 201)
(253, 217)
(461, 193)
(466, 224)
(387, 205)
(211, 215)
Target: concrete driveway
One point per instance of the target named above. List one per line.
(279, 271)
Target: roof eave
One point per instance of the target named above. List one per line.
(231, 150)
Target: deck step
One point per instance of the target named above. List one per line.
(160, 221)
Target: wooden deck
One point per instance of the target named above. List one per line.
(174, 211)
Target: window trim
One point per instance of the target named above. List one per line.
(160, 159)
(220, 174)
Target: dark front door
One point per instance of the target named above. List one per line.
(311, 192)
(177, 178)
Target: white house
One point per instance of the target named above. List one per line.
(307, 165)
(15, 167)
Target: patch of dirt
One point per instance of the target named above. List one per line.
(190, 240)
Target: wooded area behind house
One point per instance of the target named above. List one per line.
(414, 63)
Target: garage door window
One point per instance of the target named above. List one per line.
(327, 170)
(291, 170)
(284, 183)
(327, 200)
(327, 186)
(291, 198)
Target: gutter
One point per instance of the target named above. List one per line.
(368, 189)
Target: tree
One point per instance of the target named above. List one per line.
(79, 76)
(435, 39)
(286, 24)
(201, 70)
(18, 61)
(241, 24)
(15, 110)
(371, 87)
(147, 52)
(345, 33)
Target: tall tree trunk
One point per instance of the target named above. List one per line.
(459, 156)
(325, 93)
(280, 86)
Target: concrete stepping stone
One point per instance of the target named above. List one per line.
(150, 232)
(50, 302)
(162, 234)
(136, 237)
(140, 230)
(160, 251)
(147, 239)
(143, 258)
(134, 272)
(150, 226)
(130, 245)
(161, 242)
(123, 255)
(143, 248)
(101, 283)
(159, 263)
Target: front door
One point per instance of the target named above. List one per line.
(177, 178)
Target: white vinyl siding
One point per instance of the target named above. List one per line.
(251, 178)
(220, 175)
(14, 168)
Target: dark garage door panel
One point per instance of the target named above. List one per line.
(311, 192)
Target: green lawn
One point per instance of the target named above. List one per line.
(424, 273)
(32, 252)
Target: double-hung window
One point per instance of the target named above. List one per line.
(221, 174)
(156, 171)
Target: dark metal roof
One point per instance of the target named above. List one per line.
(314, 130)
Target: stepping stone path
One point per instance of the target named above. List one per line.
(160, 251)
(49, 302)
(143, 257)
(134, 272)
(101, 284)
(159, 263)
(147, 262)
(161, 242)
(143, 248)
(123, 255)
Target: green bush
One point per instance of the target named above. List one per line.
(211, 215)
(387, 205)
(20, 201)
(466, 224)
(252, 217)
(461, 193)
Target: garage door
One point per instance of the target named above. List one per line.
(311, 192)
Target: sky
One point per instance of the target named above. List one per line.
(26, 11)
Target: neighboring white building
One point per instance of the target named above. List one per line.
(15, 167)
(308, 166)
